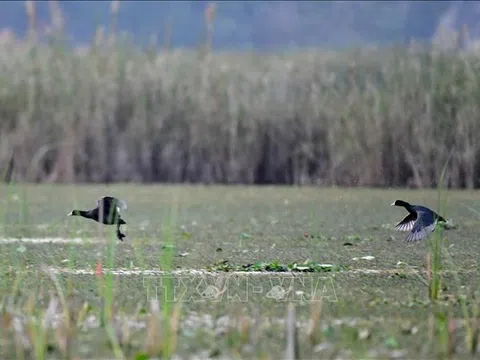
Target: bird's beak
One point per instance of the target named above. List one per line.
(70, 213)
(392, 204)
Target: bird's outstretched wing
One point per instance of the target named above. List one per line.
(119, 204)
(407, 222)
(422, 228)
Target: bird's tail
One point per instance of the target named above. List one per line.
(441, 219)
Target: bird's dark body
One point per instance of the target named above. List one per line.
(109, 215)
(107, 212)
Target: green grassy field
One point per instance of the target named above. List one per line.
(354, 308)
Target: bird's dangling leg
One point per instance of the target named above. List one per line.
(120, 236)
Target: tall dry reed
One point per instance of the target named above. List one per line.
(112, 112)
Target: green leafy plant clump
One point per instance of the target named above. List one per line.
(276, 266)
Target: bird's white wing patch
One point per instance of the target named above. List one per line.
(406, 226)
(416, 236)
(122, 205)
(421, 234)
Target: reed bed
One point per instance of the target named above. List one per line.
(114, 112)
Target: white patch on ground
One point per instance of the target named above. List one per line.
(193, 321)
(130, 272)
(57, 240)
(368, 257)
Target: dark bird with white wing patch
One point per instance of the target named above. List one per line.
(107, 212)
(420, 221)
